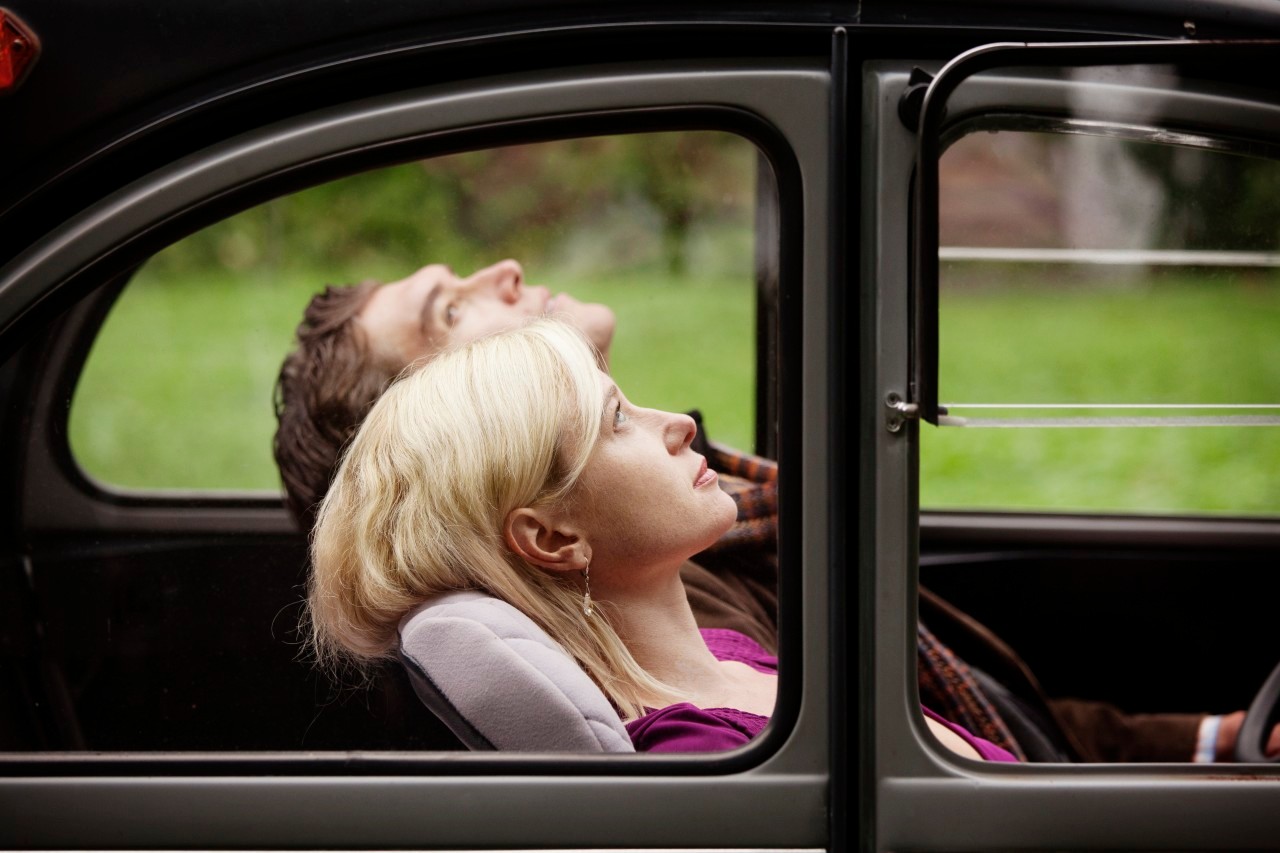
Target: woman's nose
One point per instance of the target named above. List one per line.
(505, 277)
(680, 430)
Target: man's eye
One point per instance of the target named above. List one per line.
(619, 417)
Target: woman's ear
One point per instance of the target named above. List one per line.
(545, 540)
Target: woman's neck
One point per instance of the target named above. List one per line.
(657, 626)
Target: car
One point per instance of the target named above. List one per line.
(1057, 214)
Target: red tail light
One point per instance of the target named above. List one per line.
(18, 50)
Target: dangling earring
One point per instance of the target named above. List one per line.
(588, 609)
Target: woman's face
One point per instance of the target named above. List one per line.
(435, 308)
(645, 497)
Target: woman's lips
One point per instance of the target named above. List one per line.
(705, 475)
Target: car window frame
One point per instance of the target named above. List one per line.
(775, 786)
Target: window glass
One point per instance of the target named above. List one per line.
(1108, 307)
(177, 390)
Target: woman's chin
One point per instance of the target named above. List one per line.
(727, 515)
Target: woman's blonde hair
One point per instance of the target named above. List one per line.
(419, 501)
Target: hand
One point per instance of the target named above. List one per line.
(1229, 730)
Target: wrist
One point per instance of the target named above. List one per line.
(1206, 750)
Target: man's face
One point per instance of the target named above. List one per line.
(434, 308)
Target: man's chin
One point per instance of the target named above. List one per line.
(595, 320)
(599, 326)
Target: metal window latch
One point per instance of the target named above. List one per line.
(899, 412)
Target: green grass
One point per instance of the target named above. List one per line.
(176, 393)
(1177, 339)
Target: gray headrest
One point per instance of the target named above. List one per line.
(499, 682)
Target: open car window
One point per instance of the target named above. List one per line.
(176, 392)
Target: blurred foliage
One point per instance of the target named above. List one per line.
(605, 204)
(1212, 199)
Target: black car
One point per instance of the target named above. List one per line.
(1058, 214)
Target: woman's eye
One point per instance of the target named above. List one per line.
(619, 417)
(450, 315)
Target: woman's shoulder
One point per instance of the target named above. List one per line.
(727, 644)
(684, 727)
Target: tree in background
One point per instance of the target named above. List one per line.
(526, 201)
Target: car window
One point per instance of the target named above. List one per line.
(1108, 304)
(176, 393)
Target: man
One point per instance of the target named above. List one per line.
(352, 343)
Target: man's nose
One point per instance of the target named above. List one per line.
(505, 277)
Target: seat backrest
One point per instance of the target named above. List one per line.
(498, 681)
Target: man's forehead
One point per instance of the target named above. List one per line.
(392, 317)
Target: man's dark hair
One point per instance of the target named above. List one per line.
(327, 386)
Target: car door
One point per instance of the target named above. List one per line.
(1038, 419)
(127, 603)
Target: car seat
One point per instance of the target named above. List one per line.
(499, 682)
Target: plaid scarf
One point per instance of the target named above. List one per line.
(752, 482)
(947, 686)
(949, 689)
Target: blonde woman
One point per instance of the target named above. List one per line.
(514, 466)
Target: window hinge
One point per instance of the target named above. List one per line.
(899, 411)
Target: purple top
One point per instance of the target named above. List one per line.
(687, 728)
(988, 750)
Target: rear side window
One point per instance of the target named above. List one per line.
(1108, 312)
(176, 393)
